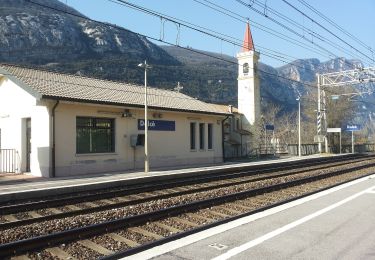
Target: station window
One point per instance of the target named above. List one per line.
(201, 136)
(192, 136)
(95, 135)
(210, 136)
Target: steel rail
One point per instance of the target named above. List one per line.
(173, 237)
(18, 247)
(12, 224)
(148, 187)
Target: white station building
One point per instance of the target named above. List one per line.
(66, 125)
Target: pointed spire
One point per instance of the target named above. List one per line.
(248, 44)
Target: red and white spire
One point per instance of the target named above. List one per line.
(248, 44)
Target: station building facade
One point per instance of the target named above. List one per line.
(63, 125)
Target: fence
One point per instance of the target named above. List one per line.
(8, 160)
(358, 148)
(306, 149)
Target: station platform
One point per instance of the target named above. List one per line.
(23, 186)
(337, 223)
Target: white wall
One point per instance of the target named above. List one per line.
(166, 148)
(16, 105)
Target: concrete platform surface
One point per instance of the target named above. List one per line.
(333, 224)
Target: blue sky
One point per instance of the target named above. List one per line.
(356, 17)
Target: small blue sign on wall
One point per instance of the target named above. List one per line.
(157, 125)
(352, 127)
(270, 127)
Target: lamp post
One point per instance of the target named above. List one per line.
(147, 165)
(299, 126)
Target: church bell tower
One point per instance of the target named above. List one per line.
(248, 82)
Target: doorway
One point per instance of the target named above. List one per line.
(28, 144)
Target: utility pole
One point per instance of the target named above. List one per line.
(319, 118)
(147, 166)
(341, 79)
(299, 127)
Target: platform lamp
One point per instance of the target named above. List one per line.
(147, 165)
(299, 126)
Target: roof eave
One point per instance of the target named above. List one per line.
(21, 84)
(132, 105)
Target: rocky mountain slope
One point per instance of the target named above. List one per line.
(33, 34)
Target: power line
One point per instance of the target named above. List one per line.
(327, 30)
(266, 29)
(285, 27)
(302, 27)
(241, 18)
(152, 38)
(190, 26)
(201, 29)
(335, 25)
(229, 39)
(177, 20)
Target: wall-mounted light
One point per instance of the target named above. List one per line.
(127, 113)
(108, 112)
(157, 115)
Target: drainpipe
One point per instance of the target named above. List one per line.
(53, 172)
(223, 136)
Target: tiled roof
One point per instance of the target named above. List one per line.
(72, 87)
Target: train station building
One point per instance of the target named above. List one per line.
(65, 125)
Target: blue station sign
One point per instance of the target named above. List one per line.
(270, 127)
(157, 125)
(352, 127)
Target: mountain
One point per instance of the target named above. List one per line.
(66, 41)
(33, 34)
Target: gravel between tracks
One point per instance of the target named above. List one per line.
(49, 227)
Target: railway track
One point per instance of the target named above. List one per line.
(124, 189)
(172, 213)
(32, 212)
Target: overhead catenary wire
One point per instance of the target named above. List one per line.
(324, 17)
(327, 30)
(240, 18)
(285, 27)
(236, 16)
(155, 39)
(289, 29)
(177, 20)
(311, 32)
(229, 39)
(265, 53)
(201, 29)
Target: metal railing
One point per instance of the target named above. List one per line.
(8, 160)
(306, 149)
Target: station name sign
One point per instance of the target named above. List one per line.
(352, 127)
(157, 125)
